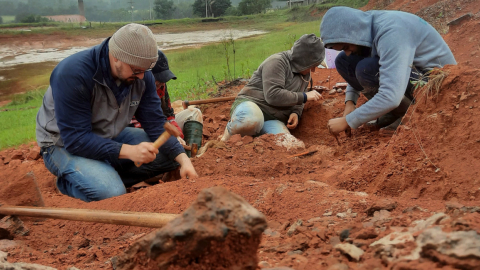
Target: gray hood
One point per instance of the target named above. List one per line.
(357, 29)
(308, 51)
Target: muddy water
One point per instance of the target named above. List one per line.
(26, 66)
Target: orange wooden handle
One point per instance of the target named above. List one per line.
(141, 219)
(157, 143)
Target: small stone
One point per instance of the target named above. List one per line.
(34, 153)
(338, 266)
(386, 204)
(263, 264)
(221, 117)
(294, 227)
(332, 92)
(238, 143)
(235, 138)
(328, 214)
(3, 256)
(16, 155)
(247, 139)
(15, 163)
(315, 219)
(342, 215)
(344, 234)
(350, 250)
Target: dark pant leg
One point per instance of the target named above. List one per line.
(346, 67)
(132, 174)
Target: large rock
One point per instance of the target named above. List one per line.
(219, 230)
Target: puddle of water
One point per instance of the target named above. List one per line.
(27, 67)
(23, 78)
(17, 55)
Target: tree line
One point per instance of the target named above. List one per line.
(126, 10)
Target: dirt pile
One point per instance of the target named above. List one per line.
(436, 152)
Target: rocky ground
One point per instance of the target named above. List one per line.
(408, 200)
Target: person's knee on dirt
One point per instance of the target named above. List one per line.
(399, 41)
(278, 88)
(83, 131)
(246, 119)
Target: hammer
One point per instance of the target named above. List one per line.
(170, 130)
(187, 103)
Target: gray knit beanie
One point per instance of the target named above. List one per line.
(135, 45)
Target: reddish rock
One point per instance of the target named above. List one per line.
(247, 139)
(367, 233)
(15, 163)
(221, 117)
(16, 155)
(34, 153)
(235, 138)
(385, 204)
(192, 241)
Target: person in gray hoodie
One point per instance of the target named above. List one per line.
(273, 100)
(383, 52)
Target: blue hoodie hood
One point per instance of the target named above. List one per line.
(356, 31)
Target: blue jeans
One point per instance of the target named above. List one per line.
(94, 180)
(248, 119)
(363, 74)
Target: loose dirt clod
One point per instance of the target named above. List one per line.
(220, 230)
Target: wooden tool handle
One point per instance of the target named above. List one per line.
(141, 219)
(187, 103)
(157, 143)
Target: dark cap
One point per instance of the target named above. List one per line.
(160, 71)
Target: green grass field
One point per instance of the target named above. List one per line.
(197, 69)
(8, 19)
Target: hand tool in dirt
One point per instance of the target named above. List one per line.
(140, 219)
(333, 134)
(170, 130)
(187, 103)
(193, 148)
(304, 154)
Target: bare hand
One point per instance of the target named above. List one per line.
(181, 141)
(313, 95)
(292, 121)
(186, 167)
(337, 125)
(144, 152)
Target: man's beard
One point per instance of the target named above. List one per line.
(129, 81)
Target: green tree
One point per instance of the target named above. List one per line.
(215, 8)
(163, 9)
(247, 7)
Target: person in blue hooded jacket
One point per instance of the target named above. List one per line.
(383, 52)
(82, 123)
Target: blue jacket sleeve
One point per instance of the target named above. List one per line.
(72, 96)
(149, 113)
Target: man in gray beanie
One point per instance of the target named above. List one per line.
(82, 125)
